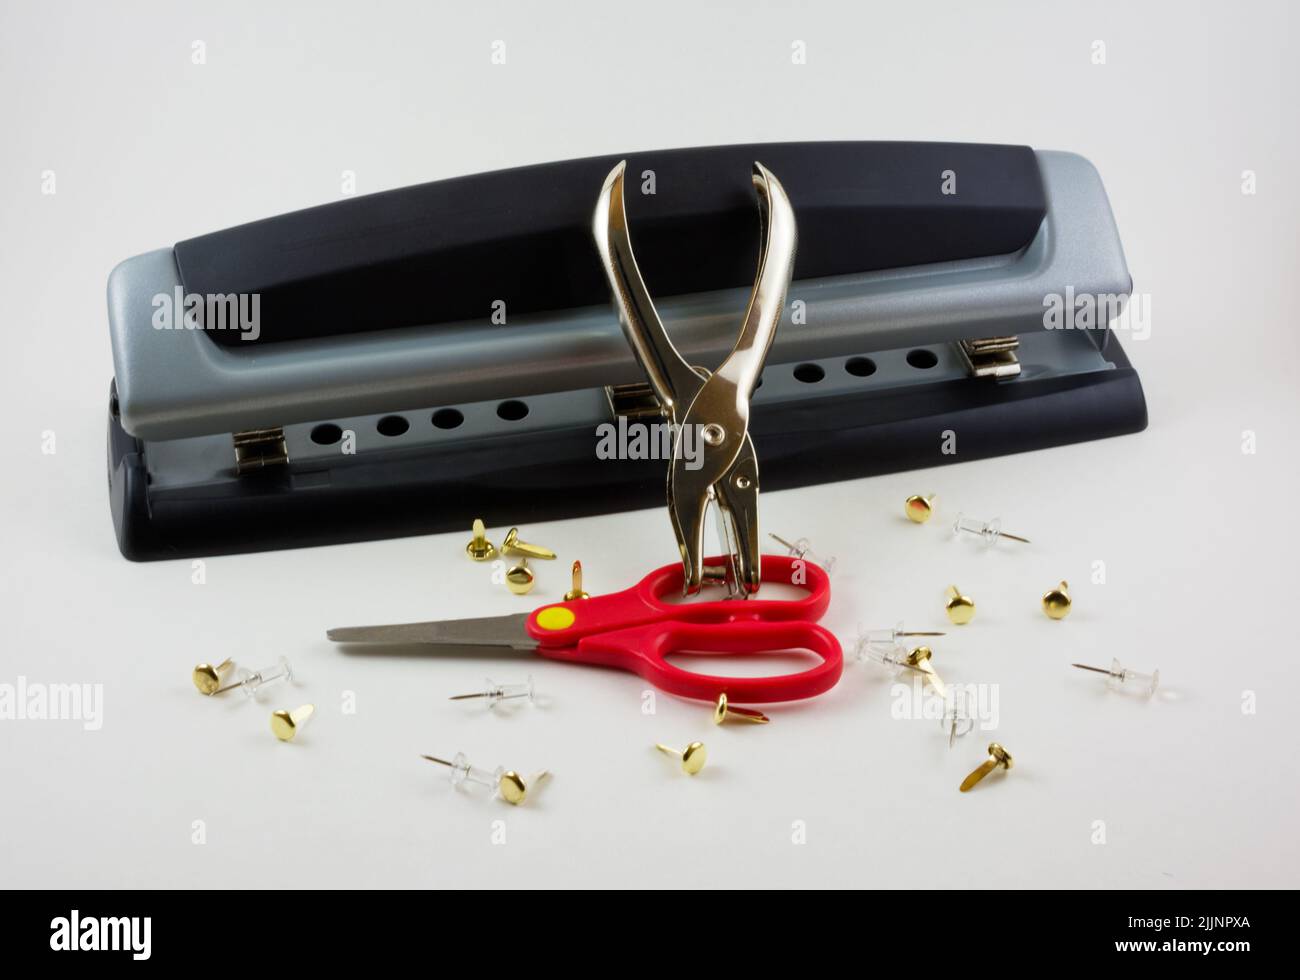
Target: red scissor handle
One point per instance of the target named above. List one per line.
(637, 630)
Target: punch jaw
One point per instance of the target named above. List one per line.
(737, 500)
(727, 476)
(714, 405)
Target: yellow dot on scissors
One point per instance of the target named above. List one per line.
(555, 618)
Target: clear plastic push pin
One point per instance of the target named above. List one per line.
(990, 531)
(1120, 678)
(889, 637)
(496, 693)
(252, 681)
(882, 655)
(802, 548)
(957, 720)
(505, 784)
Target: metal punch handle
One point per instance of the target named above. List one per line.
(675, 383)
(777, 244)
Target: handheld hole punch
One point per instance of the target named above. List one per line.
(714, 405)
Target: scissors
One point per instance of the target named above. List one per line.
(637, 630)
(714, 406)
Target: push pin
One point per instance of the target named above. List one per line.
(1057, 602)
(479, 547)
(990, 531)
(520, 578)
(918, 508)
(960, 608)
(1120, 678)
(496, 693)
(998, 758)
(505, 784)
(693, 758)
(724, 711)
(803, 549)
(207, 678)
(576, 579)
(252, 681)
(889, 637)
(515, 548)
(885, 656)
(285, 724)
(956, 718)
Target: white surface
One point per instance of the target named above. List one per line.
(1198, 539)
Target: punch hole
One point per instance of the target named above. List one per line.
(512, 411)
(392, 425)
(921, 358)
(809, 374)
(326, 434)
(447, 418)
(862, 367)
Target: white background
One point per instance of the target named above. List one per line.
(1198, 539)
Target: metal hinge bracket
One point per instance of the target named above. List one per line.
(256, 449)
(990, 357)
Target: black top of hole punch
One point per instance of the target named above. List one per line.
(446, 251)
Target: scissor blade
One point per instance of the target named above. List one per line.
(488, 631)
